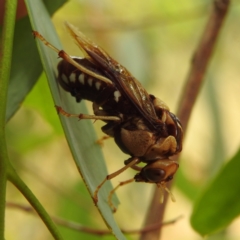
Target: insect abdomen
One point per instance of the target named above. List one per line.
(81, 85)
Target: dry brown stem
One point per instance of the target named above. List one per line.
(189, 95)
(78, 227)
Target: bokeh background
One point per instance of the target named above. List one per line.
(155, 40)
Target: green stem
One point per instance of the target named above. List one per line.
(6, 170)
(6, 43)
(23, 188)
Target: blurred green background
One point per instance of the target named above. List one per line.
(155, 40)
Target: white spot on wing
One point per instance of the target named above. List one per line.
(72, 77)
(81, 78)
(117, 95)
(97, 85)
(90, 81)
(64, 78)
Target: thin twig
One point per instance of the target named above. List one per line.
(78, 227)
(201, 59)
(192, 88)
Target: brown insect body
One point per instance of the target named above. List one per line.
(141, 124)
(82, 86)
(146, 129)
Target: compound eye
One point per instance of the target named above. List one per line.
(154, 175)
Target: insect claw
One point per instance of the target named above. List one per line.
(34, 33)
(101, 140)
(80, 116)
(95, 200)
(58, 109)
(114, 209)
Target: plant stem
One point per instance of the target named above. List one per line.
(6, 43)
(6, 170)
(23, 188)
(200, 60)
(189, 95)
(81, 228)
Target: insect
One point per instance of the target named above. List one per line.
(141, 124)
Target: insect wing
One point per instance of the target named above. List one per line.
(124, 81)
(134, 91)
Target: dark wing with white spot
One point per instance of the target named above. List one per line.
(120, 76)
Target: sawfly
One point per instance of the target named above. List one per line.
(140, 123)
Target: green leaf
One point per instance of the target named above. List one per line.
(53, 5)
(35, 100)
(219, 203)
(80, 135)
(26, 64)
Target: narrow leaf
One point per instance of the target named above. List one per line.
(80, 135)
(26, 66)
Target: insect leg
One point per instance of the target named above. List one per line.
(134, 161)
(114, 209)
(100, 141)
(135, 167)
(40, 37)
(62, 54)
(86, 116)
